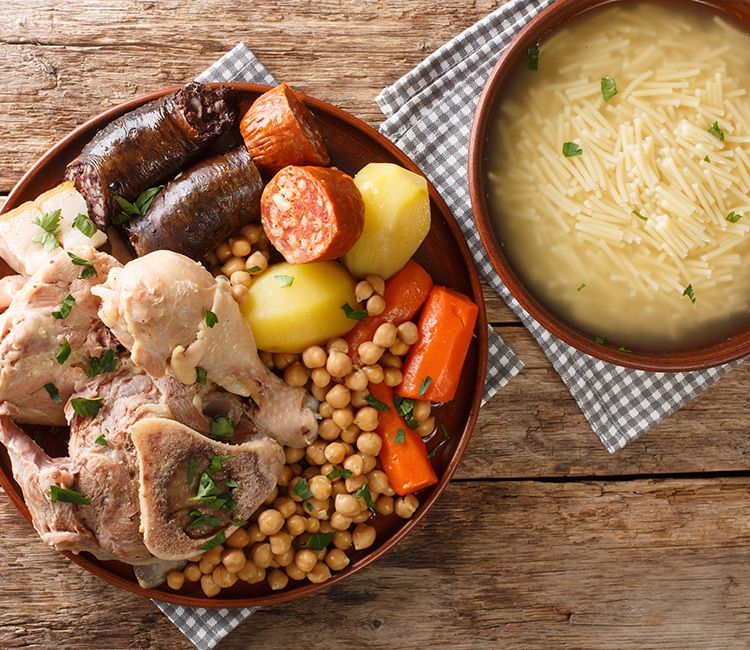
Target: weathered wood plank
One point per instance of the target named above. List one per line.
(631, 564)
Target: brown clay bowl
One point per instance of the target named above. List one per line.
(536, 31)
(444, 254)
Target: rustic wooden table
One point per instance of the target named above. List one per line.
(543, 539)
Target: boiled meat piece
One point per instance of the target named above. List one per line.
(31, 337)
(10, 285)
(174, 317)
(192, 488)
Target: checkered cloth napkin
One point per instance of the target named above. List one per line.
(205, 627)
(428, 115)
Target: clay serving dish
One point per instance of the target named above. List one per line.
(735, 347)
(444, 254)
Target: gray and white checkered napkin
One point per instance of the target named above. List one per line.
(205, 627)
(428, 115)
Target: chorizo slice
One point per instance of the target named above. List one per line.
(312, 213)
(148, 146)
(279, 130)
(194, 213)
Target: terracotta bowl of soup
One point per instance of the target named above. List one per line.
(609, 167)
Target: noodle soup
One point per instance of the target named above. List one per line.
(618, 175)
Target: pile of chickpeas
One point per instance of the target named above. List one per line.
(335, 467)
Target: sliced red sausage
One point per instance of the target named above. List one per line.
(279, 130)
(312, 213)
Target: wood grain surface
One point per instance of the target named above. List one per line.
(544, 539)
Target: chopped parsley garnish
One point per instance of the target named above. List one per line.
(338, 473)
(64, 310)
(716, 131)
(49, 222)
(376, 403)
(217, 463)
(623, 349)
(609, 88)
(601, 340)
(211, 495)
(138, 207)
(64, 353)
(253, 269)
(231, 483)
(302, 489)
(191, 470)
(639, 215)
(571, 149)
(202, 375)
(318, 541)
(707, 159)
(733, 217)
(86, 407)
(84, 224)
(238, 522)
(67, 495)
(210, 318)
(581, 286)
(533, 57)
(400, 437)
(105, 363)
(53, 392)
(102, 441)
(364, 493)
(689, 293)
(354, 314)
(284, 280)
(88, 267)
(221, 427)
(213, 542)
(200, 519)
(405, 408)
(424, 385)
(309, 507)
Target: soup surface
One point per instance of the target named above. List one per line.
(618, 175)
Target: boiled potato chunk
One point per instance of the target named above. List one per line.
(397, 219)
(292, 306)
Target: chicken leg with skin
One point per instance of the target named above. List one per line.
(175, 317)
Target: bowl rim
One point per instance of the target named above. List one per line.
(539, 27)
(91, 565)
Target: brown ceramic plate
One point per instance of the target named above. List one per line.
(444, 254)
(536, 31)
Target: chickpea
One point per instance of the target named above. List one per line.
(399, 348)
(427, 427)
(377, 283)
(233, 264)
(293, 455)
(309, 472)
(342, 539)
(339, 521)
(321, 378)
(319, 508)
(280, 542)
(285, 476)
(239, 293)
(233, 559)
(295, 525)
(294, 572)
(328, 429)
(355, 464)
(286, 506)
(192, 572)
(238, 539)
(421, 410)
(251, 573)
(377, 480)
(389, 360)
(392, 376)
(270, 498)
(270, 521)
(363, 536)
(336, 559)
(209, 586)
(223, 252)
(350, 434)
(240, 246)
(254, 535)
(374, 374)
(320, 486)
(314, 357)
(305, 559)
(366, 418)
(356, 380)
(370, 352)
(375, 305)
(325, 527)
(206, 567)
(262, 555)
(362, 516)
(370, 463)
(353, 483)
(277, 579)
(325, 410)
(283, 360)
(339, 364)
(359, 398)
(384, 505)
(363, 291)
(406, 506)
(175, 580)
(408, 333)
(369, 443)
(342, 417)
(252, 232)
(312, 525)
(339, 345)
(222, 577)
(295, 375)
(315, 452)
(338, 397)
(319, 573)
(346, 505)
(240, 277)
(319, 392)
(335, 452)
(266, 358)
(214, 555)
(257, 259)
(339, 488)
(385, 335)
